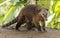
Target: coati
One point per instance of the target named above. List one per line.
(30, 14)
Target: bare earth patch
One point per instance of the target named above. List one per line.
(51, 33)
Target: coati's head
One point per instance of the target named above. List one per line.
(44, 12)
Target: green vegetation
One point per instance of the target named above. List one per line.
(9, 9)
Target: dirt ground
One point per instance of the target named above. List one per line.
(51, 33)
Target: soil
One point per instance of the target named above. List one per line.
(8, 33)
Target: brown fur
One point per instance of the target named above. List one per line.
(31, 14)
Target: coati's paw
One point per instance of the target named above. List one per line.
(17, 29)
(44, 29)
(28, 28)
(41, 31)
(31, 29)
(37, 30)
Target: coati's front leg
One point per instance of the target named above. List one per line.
(38, 26)
(29, 25)
(18, 25)
(43, 26)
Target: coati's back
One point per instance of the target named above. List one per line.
(29, 11)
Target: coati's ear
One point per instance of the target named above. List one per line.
(39, 10)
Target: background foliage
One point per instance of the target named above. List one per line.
(9, 9)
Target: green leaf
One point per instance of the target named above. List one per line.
(8, 12)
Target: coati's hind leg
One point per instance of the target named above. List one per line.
(20, 22)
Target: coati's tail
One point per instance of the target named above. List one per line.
(10, 23)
